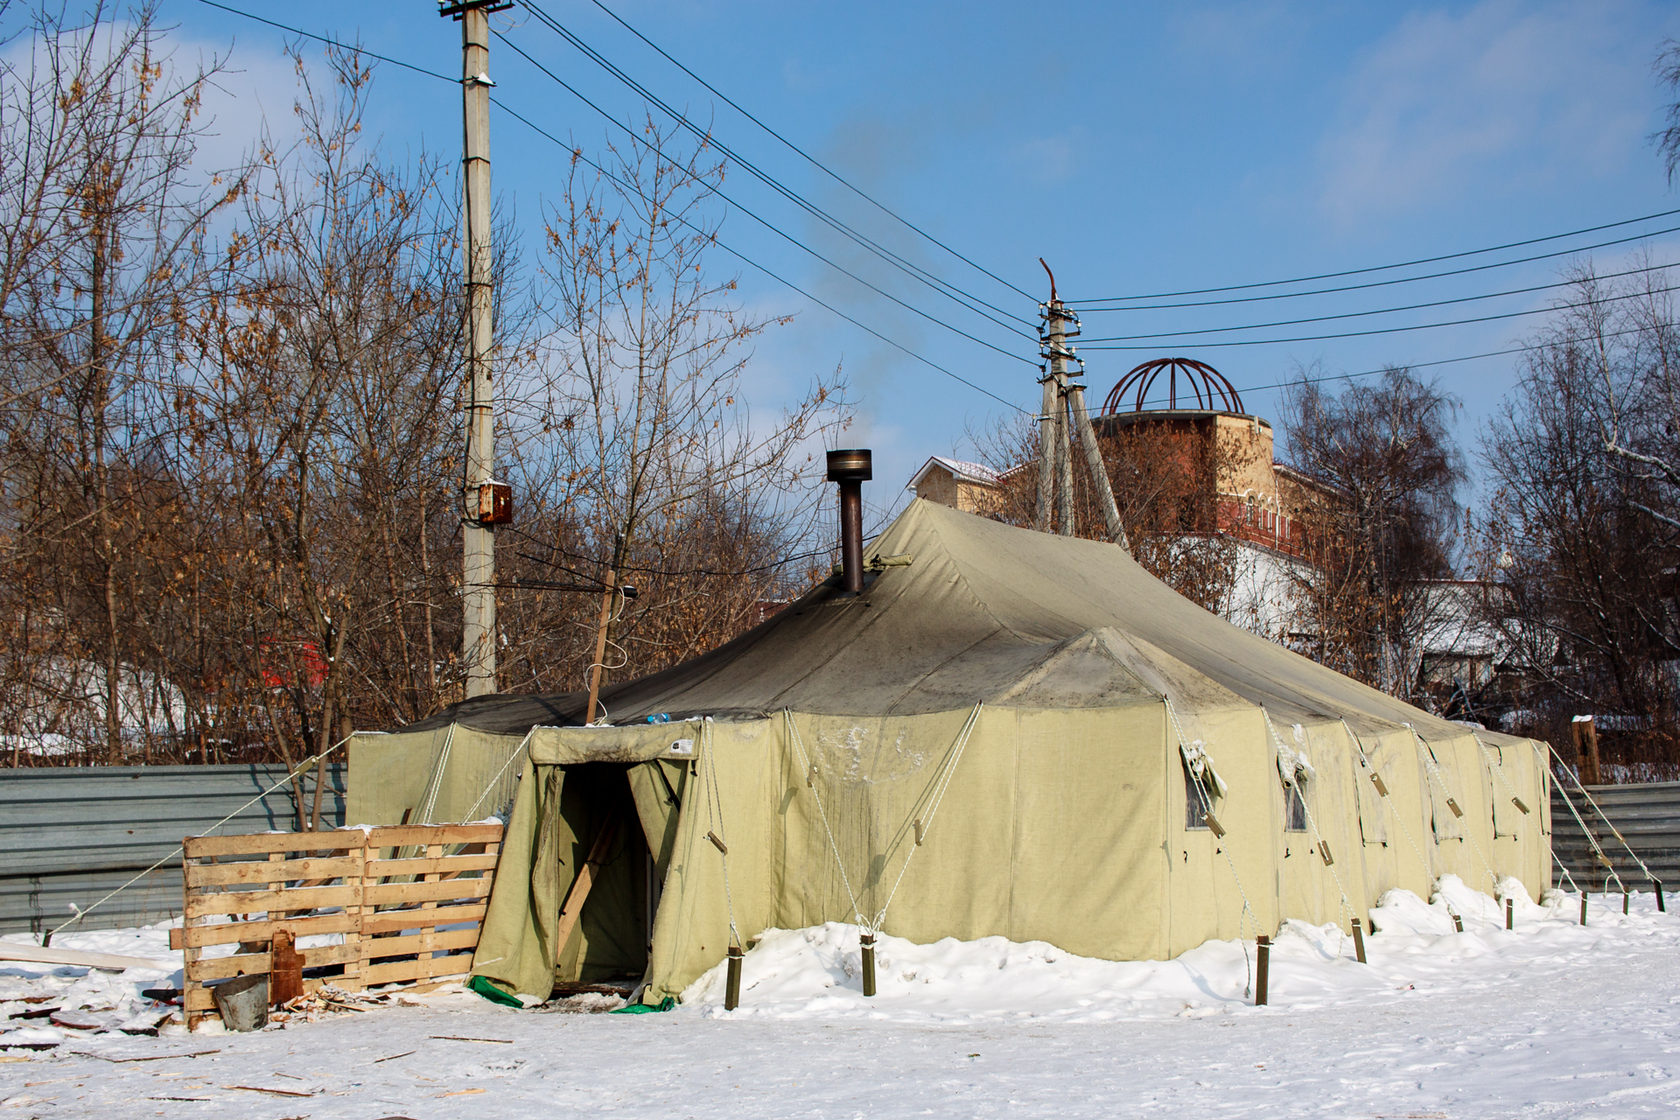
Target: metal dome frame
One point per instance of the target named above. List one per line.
(1212, 390)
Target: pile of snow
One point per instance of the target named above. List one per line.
(817, 972)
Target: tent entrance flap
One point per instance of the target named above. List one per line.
(589, 845)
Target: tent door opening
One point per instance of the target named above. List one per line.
(606, 875)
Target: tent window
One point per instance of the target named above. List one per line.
(1195, 806)
(1295, 804)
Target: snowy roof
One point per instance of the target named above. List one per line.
(960, 469)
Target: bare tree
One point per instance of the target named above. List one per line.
(1388, 454)
(1583, 531)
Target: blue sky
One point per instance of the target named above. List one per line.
(1138, 148)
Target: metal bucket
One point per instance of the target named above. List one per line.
(243, 1002)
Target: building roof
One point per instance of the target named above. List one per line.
(960, 469)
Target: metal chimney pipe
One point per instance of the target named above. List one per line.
(851, 469)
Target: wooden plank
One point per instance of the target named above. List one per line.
(248, 964)
(423, 835)
(391, 921)
(397, 972)
(429, 942)
(263, 900)
(579, 892)
(109, 962)
(447, 865)
(271, 871)
(229, 933)
(263, 843)
(396, 894)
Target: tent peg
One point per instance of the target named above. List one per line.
(868, 943)
(732, 989)
(1509, 923)
(1458, 924)
(1656, 885)
(1262, 966)
(1583, 906)
(1359, 940)
(1624, 899)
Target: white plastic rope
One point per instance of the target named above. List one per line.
(294, 772)
(941, 783)
(806, 766)
(472, 814)
(1347, 904)
(1587, 832)
(429, 802)
(1432, 770)
(1614, 831)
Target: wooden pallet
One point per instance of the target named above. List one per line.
(404, 904)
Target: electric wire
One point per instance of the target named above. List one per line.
(1507, 352)
(1384, 310)
(1190, 342)
(944, 287)
(812, 160)
(1087, 310)
(527, 122)
(789, 238)
(1375, 268)
(290, 30)
(744, 259)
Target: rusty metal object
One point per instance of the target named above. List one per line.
(851, 469)
(1211, 390)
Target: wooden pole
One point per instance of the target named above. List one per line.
(579, 892)
(607, 594)
(732, 988)
(1585, 731)
(1509, 923)
(868, 943)
(1262, 966)
(1359, 940)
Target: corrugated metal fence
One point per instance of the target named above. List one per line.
(1647, 816)
(68, 835)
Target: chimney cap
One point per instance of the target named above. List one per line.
(853, 465)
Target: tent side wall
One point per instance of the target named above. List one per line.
(1039, 825)
(447, 774)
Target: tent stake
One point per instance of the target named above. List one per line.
(1458, 924)
(1583, 907)
(868, 943)
(1262, 965)
(1359, 940)
(1508, 922)
(732, 990)
(1624, 900)
(1656, 885)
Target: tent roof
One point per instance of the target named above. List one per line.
(982, 612)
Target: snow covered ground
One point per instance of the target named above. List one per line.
(1550, 1020)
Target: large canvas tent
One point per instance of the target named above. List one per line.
(1006, 733)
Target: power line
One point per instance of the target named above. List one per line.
(330, 41)
(1383, 310)
(1192, 344)
(943, 287)
(812, 160)
(1375, 268)
(1087, 310)
(521, 118)
(789, 238)
(743, 258)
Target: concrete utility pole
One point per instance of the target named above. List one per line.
(484, 505)
(1064, 415)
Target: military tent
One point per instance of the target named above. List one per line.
(1007, 733)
